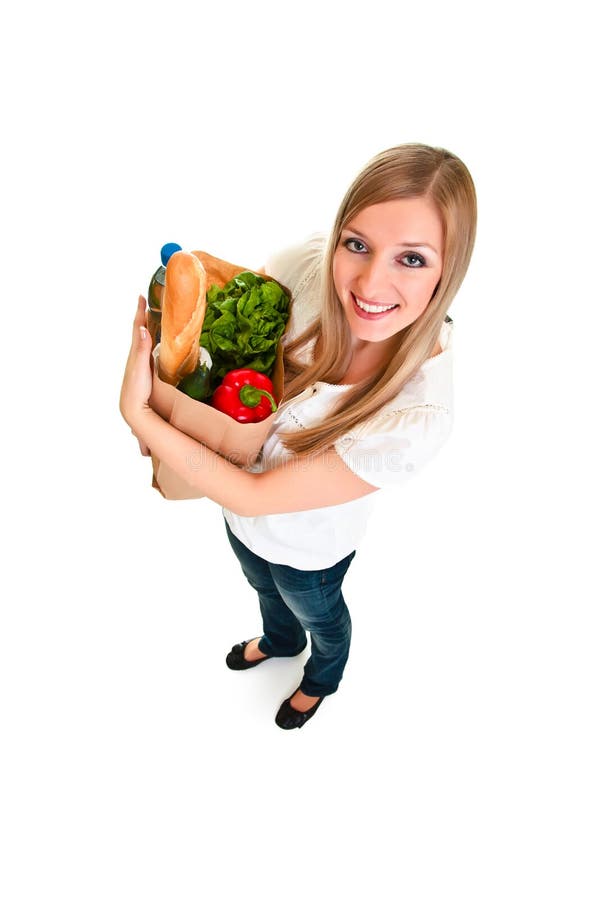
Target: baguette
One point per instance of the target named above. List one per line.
(183, 309)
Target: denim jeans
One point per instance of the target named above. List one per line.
(294, 601)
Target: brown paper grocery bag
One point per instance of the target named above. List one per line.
(239, 443)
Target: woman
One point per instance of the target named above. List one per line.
(367, 402)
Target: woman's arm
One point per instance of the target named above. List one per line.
(300, 484)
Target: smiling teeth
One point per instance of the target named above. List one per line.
(368, 307)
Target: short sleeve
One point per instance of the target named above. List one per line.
(292, 265)
(299, 268)
(386, 451)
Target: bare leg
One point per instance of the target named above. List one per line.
(302, 702)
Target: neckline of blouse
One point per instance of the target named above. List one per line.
(445, 334)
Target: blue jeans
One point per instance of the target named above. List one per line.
(294, 601)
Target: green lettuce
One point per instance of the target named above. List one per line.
(243, 323)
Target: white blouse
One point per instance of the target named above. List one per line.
(384, 451)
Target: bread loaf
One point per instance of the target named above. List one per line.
(183, 309)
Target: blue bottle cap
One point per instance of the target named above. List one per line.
(167, 252)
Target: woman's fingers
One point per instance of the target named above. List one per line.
(140, 313)
(140, 338)
(137, 380)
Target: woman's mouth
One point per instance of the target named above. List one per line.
(371, 310)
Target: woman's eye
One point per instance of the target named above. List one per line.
(349, 241)
(414, 260)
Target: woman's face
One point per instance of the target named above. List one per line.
(386, 266)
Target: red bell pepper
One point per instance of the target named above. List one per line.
(246, 395)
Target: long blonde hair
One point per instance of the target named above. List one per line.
(410, 170)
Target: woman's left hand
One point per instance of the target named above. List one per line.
(137, 381)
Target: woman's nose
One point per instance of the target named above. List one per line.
(374, 279)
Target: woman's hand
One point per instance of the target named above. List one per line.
(137, 380)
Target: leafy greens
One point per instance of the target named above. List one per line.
(243, 323)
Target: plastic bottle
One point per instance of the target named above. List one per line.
(155, 292)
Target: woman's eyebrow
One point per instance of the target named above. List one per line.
(403, 244)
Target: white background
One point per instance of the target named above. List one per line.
(459, 756)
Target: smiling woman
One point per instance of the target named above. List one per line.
(367, 403)
(382, 283)
(403, 236)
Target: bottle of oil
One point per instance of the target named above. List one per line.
(155, 292)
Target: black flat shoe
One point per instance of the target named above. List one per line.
(288, 717)
(235, 658)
